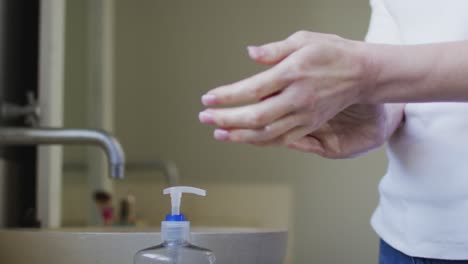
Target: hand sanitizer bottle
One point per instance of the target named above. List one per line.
(175, 233)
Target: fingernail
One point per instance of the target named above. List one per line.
(206, 118)
(221, 134)
(208, 99)
(255, 51)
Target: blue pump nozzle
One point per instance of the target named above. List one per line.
(175, 218)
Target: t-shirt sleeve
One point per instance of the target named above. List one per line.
(382, 26)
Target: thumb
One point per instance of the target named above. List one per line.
(308, 144)
(272, 53)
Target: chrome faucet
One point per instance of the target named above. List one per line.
(62, 136)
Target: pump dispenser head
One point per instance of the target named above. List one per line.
(176, 227)
(176, 196)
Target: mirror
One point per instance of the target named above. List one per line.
(156, 58)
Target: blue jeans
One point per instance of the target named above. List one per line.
(389, 255)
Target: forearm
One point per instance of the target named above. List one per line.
(418, 73)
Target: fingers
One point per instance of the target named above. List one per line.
(262, 84)
(309, 143)
(272, 132)
(274, 52)
(251, 116)
(281, 132)
(248, 90)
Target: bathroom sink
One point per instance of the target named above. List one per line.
(118, 245)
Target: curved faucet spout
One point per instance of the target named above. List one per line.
(62, 136)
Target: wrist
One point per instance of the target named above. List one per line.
(370, 70)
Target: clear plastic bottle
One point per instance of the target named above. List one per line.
(175, 233)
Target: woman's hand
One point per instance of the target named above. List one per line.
(354, 131)
(313, 78)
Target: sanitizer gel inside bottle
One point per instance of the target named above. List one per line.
(175, 233)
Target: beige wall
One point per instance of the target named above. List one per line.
(168, 53)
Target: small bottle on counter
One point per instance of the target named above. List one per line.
(103, 202)
(127, 211)
(175, 233)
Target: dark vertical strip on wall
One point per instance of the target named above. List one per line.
(19, 49)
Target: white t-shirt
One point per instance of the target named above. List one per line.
(423, 209)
